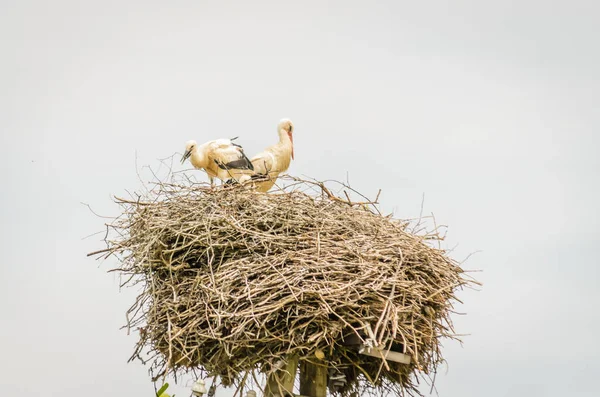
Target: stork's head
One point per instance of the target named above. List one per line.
(189, 148)
(286, 127)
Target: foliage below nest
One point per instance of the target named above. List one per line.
(235, 281)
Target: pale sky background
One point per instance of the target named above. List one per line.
(491, 109)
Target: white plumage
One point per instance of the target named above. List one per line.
(275, 159)
(220, 158)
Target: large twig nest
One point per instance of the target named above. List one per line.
(236, 281)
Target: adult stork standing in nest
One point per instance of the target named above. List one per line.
(220, 158)
(275, 159)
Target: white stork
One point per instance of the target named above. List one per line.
(220, 158)
(275, 159)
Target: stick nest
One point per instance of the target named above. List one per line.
(235, 282)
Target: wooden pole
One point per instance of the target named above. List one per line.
(313, 378)
(282, 381)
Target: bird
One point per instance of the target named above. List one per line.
(275, 159)
(220, 158)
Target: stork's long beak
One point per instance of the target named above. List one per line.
(291, 140)
(186, 155)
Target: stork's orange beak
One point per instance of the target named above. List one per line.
(291, 140)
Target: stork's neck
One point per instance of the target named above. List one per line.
(284, 139)
(284, 149)
(198, 158)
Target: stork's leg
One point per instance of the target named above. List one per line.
(212, 181)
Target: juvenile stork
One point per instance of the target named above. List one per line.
(220, 158)
(275, 159)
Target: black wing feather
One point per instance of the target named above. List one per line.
(242, 163)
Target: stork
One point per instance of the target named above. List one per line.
(275, 159)
(220, 158)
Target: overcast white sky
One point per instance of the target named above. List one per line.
(489, 108)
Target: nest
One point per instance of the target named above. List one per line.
(235, 282)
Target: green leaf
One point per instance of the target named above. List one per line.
(162, 390)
